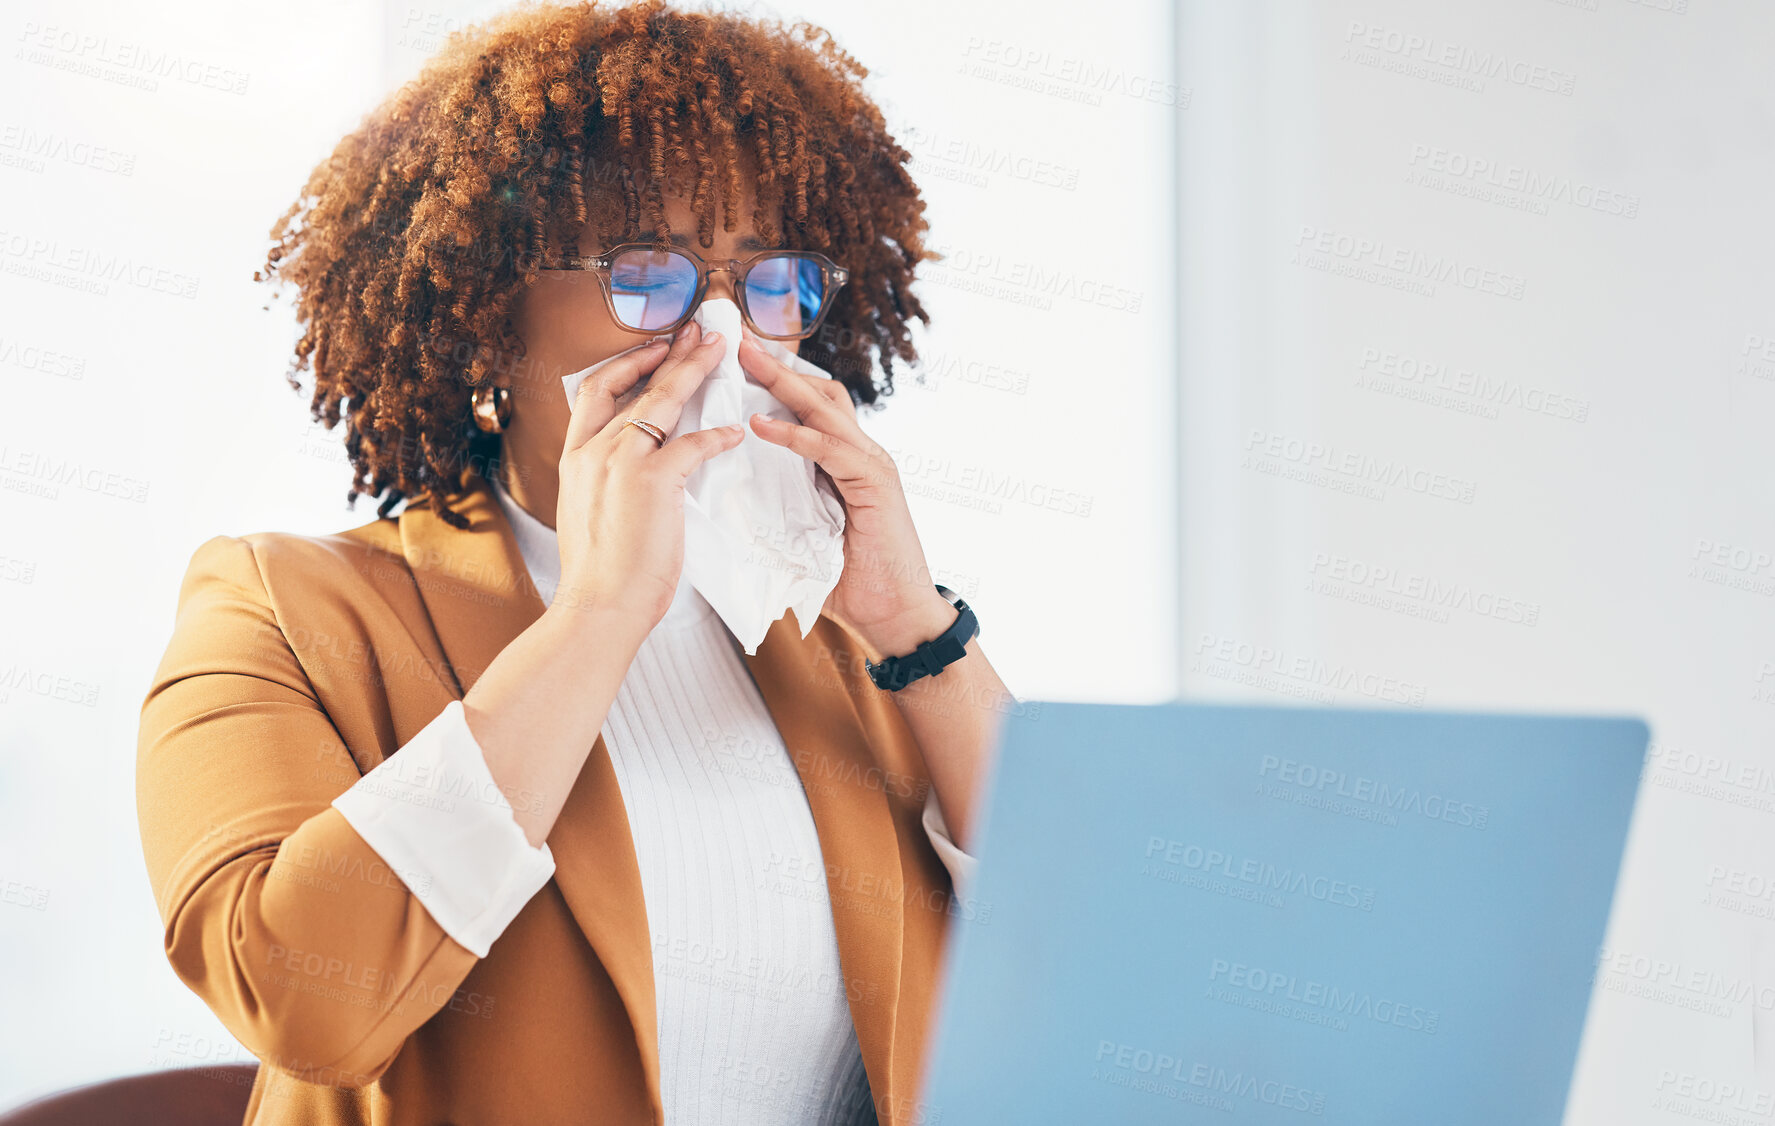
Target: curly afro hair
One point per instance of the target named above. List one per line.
(412, 241)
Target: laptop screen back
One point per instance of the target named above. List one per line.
(1273, 915)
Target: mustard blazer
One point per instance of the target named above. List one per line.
(298, 663)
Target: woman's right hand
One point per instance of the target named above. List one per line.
(620, 514)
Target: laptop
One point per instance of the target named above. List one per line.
(1195, 913)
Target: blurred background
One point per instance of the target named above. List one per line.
(1359, 353)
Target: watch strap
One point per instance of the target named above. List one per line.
(931, 657)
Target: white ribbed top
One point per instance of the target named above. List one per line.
(753, 1022)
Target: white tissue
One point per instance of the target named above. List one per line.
(762, 532)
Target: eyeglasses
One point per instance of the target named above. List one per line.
(782, 294)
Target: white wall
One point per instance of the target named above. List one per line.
(143, 157)
(1600, 510)
(1029, 130)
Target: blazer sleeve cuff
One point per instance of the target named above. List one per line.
(433, 812)
(960, 864)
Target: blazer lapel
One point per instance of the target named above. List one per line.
(825, 738)
(478, 592)
(480, 597)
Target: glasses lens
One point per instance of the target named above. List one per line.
(651, 288)
(784, 294)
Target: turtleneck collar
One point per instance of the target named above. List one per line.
(536, 543)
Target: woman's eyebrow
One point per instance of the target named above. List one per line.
(680, 238)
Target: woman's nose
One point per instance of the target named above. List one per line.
(720, 285)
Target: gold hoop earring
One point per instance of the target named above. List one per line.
(492, 408)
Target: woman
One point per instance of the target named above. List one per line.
(477, 812)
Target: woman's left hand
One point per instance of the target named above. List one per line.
(886, 594)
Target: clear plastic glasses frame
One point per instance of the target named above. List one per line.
(832, 274)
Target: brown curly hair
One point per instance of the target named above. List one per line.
(411, 243)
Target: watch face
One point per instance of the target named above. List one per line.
(961, 607)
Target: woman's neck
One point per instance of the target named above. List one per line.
(530, 476)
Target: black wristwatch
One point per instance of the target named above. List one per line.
(932, 657)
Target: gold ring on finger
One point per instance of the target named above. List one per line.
(653, 431)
